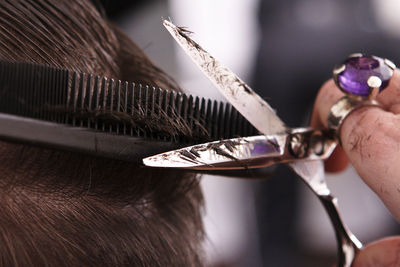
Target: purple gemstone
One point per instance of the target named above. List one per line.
(354, 79)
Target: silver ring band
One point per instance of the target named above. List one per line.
(342, 108)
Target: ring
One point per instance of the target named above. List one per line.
(342, 108)
(363, 77)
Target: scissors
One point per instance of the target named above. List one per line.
(303, 149)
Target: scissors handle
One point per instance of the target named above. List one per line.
(348, 244)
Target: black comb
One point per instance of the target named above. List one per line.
(89, 113)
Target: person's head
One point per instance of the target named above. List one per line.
(63, 208)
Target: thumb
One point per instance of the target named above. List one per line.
(381, 253)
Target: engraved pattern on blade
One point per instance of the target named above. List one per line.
(224, 154)
(241, 96)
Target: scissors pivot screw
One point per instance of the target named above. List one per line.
(298, 148)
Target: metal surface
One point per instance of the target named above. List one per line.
(312, 173)
(237, 153)
(343, 107)
(248, 152)
(259, 113)
(79, 139)
(237, 92)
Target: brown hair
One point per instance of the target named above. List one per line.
(62, 208)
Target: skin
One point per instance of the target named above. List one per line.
(370, 139)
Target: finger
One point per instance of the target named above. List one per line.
(371, 140)
(337, 161)
(390, 97)
(383, 253)
(327, 96)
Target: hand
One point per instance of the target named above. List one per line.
(382, 253)
(370, 139)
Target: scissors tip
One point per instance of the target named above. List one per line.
(169, 25)
(150, 162)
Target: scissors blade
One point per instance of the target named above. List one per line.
(258, 112)
(313, 173)
(236, 153)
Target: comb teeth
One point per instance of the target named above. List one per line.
(95, 102)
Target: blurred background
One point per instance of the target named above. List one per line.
(284, 50)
